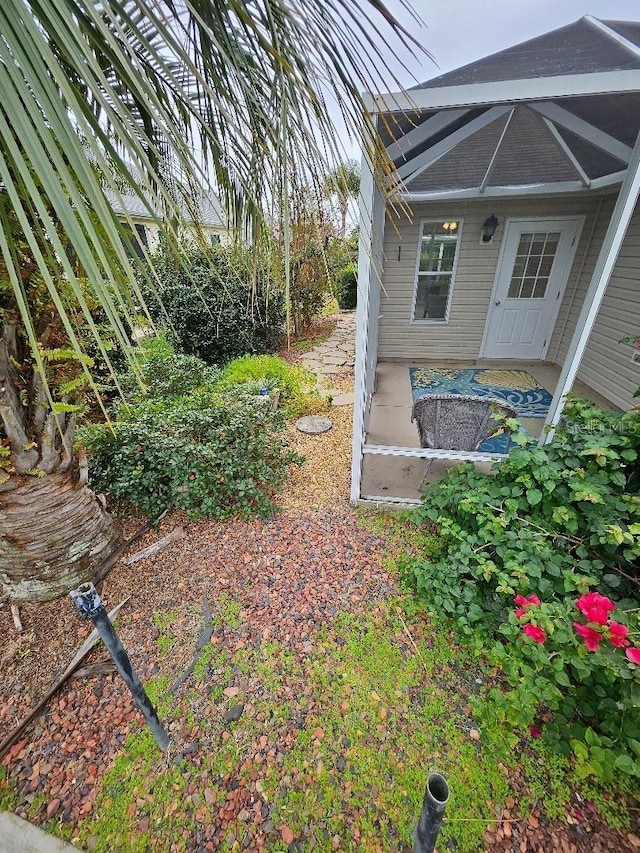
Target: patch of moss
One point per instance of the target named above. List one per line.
(218, 662)
(163, 620)
(611, 801)
(8, 792)
(391, 719)
(227, 612)
(546, 774)
(358, 721)
(138, 791)
(38, 801)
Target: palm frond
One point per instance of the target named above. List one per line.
(152, 98)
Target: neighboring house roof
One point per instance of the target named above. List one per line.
(580, 141)
(210, 210)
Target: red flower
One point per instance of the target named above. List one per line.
(595, 607)
(525, 602)
(618, 634)
(590, 635)
(535, 732)
(536, 633)
(633, 654)
(530, 599)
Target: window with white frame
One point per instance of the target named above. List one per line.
(438, 252)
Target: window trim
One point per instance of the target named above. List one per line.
(427, 321)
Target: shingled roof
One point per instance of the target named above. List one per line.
(584, 47)
(210, 213)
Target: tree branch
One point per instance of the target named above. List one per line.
(67, 444)
(49, 453)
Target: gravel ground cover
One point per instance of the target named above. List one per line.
(311, 718)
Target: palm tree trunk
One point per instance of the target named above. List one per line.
(54, 535)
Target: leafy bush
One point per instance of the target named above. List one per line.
(169, 374)
(297, 386)
(310, 286)
(347, 287)
(210, 454)
(214, 308)
(186, 444)
(554, 523)
(566, 657)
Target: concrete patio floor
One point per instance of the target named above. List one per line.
(397, 478)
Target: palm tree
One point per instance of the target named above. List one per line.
(150, 97)
(344, 183)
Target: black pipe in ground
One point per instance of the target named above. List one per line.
(436, 797)
(90, 606)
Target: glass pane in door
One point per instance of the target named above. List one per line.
(534, 258)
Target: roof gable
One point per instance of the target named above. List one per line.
(629, 29)
(578, 48)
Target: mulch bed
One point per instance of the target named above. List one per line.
(291, 576)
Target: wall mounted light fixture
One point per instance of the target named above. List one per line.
(489, 228)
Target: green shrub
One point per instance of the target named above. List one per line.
(297, 386)
(161, 372)
(553, 522)
(210, 454)
(347, 287)
(215, 309)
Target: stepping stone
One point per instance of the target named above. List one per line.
(333, 359)
(345, 399)
(314, 424)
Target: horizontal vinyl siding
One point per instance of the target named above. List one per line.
(584, 262)
(461, 337)
(606, 366)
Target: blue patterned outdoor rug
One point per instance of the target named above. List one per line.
(516, 387)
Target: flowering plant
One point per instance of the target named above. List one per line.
(555, 529)
(586, 673)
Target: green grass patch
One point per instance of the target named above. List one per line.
(8, 792)
(357, 721)
(388, 716)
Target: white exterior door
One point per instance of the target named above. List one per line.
(532, 274)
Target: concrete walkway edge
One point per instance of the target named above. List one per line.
(18, 836)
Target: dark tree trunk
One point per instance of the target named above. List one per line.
(54, 534)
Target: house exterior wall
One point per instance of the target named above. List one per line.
(222, 235)
(461, 337)
(607, 366)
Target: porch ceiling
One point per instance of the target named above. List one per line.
(493, 127)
